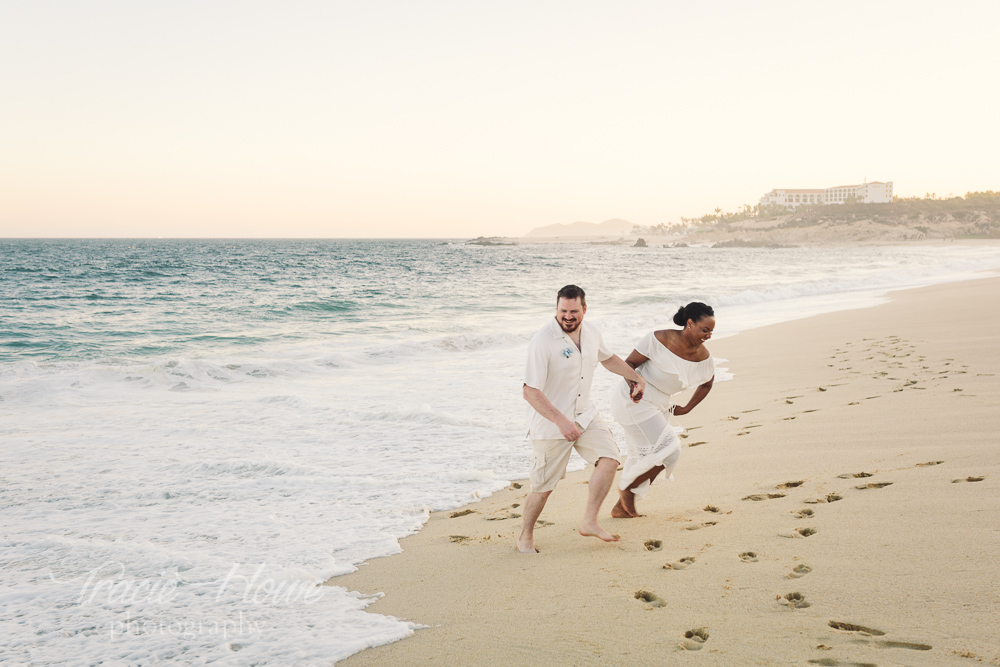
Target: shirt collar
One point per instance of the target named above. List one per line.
(557, 331)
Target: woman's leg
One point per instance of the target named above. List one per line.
(642, 438)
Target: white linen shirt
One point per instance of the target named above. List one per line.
(564, 373)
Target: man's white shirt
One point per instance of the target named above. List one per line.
(564, 373)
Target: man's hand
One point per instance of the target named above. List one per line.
(636, 389)
(569, 430)
(680, 410)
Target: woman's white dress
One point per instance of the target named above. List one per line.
(649, 438)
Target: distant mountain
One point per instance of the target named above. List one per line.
(615, 227)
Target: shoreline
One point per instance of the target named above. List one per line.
(434, 581)
(654, 242)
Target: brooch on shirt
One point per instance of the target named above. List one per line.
(568, 352)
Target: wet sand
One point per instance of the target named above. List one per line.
(837, 503)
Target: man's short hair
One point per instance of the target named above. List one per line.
(572, 292)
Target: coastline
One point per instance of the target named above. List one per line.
(878, 391)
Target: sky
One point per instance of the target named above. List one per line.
(460, 119)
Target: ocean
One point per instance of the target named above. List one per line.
(194, 434)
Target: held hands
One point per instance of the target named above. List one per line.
(636, 389)
(569, 430)
(680, 410)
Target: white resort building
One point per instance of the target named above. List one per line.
(875, 192)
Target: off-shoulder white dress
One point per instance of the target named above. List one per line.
(649, 438)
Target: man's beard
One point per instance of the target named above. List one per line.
(569, 327)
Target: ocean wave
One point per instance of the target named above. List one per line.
(323, 306)
(245, 468)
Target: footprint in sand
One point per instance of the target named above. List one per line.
(873, 485)
(851, 627)
(799, 571)
(695, 444)
(749, 556)
(711, 508)
(856, 475)
(698, 527)
(800, 532)
(793, 600)
(455, 515)
(541, 523)
(830, 498)
(803, 513)
(789, 485)
(880, 643)
(516, 485)
(969, 479)
(681, 564)
(764, 496)
(888, 643)
(652, 599)
(459, 539)
(694, 639)
(830, 662)
(653, 545)
(929, 463)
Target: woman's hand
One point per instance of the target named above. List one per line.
(681, 410)
(636, 389)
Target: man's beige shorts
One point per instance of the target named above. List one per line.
(552, 456)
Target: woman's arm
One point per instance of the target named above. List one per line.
(699, 395)
(636, 384)
(635, 359)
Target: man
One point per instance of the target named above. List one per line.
(562, 357)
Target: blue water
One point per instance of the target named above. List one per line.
(172, 409)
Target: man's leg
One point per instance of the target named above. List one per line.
(600, 484)
(533, 505)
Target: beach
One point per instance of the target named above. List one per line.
(225, 419)
(835, 504)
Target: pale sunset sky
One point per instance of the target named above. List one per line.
(460, 119)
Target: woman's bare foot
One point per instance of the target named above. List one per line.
(625, 505)
(619, 512)
(594, 530)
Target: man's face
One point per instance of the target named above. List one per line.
(569, 314)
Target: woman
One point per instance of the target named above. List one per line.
(670, 361)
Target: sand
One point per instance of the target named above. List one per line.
(837, 503)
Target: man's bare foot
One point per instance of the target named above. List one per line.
(526, 546)
(594, 530)
(619, 512)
